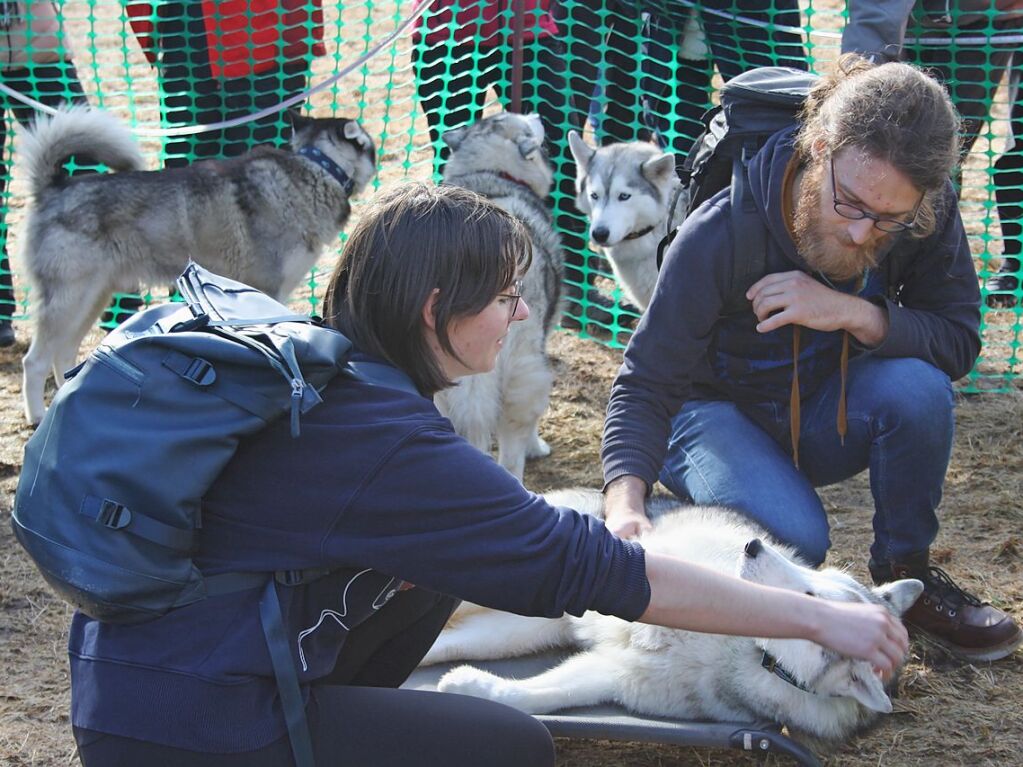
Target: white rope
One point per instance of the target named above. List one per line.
(189, 130)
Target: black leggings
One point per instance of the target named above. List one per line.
(51, 84)
(190, 94)
(357, 718)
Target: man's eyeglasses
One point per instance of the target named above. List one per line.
(854, 213)
(513, 298)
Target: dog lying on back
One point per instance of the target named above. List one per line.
(501, 157)
(632, 196)
(263, 218)
(681, 674)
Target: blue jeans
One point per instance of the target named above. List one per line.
(901, 424)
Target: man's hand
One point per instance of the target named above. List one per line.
(624, 512)
(795, 298)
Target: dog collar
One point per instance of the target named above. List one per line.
(519, 181)
(318, 157)
(770, 663)
(638, 233)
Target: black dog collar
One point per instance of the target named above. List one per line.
(318, 157)
(770, 663)
(638, 233)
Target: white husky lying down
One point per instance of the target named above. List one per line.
(682, 674)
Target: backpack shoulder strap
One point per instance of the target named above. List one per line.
(749, 259)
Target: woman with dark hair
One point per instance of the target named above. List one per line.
(401, 517)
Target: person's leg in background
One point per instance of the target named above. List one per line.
(623, 96)
(451, 84)
(8, 304)
(1004, 284)
(677, 62)
(264, 90)
(53, 85)
(738, 42)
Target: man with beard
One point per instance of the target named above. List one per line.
(868, 309)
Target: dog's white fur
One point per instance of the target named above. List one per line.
(263, 218)
(681, 674)
(501, 158)
(625, 189)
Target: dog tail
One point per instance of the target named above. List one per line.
(91, 134)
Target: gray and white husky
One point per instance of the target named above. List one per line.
(263, 218)
(501, 157)
(632, 196)
(682, 674)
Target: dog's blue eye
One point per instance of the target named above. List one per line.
(624, 196)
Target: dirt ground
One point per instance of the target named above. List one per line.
(946, 713)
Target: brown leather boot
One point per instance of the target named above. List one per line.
(949, 616)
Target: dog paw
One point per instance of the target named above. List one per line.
(467, 680)
(538, 448)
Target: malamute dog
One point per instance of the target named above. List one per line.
(502, 158)
(632, 197)
(263, 218)
(681, 674)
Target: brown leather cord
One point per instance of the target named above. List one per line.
(794, 397)
(841, 421)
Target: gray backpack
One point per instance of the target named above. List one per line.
(109, 499)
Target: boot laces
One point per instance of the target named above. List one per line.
(946, 591)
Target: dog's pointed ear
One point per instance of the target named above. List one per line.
(900, 595)
(581, 151)
(659, 168)
(864, 686)
(535, 126)
(354, 132)
(454, 137)
(298, 120)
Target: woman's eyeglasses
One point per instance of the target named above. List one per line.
(513, 298)
(854, 213)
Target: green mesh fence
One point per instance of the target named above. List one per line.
(645, 69)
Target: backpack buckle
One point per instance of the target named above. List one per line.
(290, 577)
(114, 515)
(200, 372)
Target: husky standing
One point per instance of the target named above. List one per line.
(682, 674)
(633, 198)
(263, 218)
(501, 157)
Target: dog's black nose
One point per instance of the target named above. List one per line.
(753, 548)
(600, 235)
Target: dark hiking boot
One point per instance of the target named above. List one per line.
(6, 334)
(951, 617)
(1003, 284)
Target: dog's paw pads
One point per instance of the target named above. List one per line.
(467, 680)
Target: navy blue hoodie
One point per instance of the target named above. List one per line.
(377, 485)
(685, 347)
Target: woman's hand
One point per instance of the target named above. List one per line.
(864, 631)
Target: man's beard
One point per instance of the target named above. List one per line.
(823, 250)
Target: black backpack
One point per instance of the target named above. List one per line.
(109, 498)
(754, 106)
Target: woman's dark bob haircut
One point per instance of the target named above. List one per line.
(409, 242)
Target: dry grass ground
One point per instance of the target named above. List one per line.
(946, 713)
